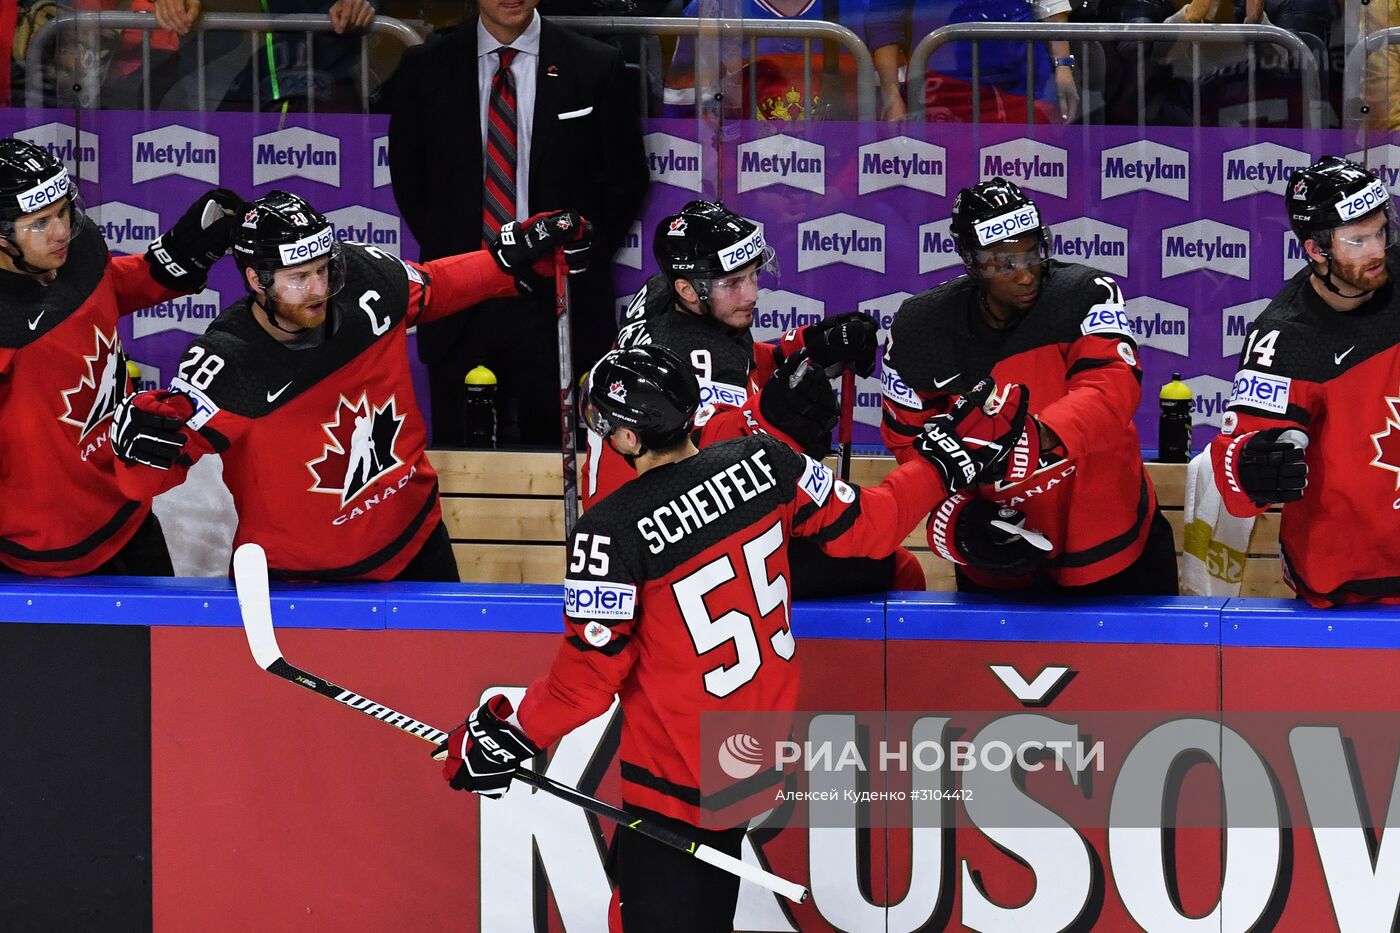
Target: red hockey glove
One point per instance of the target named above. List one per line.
(148, 428)
(483, 752)
(845, 341)
(525, 248)
(799, 401)
(979, 533)
(974, 441)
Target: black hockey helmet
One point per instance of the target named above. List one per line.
(649, 389)
(992, 212)
(31, 179)
(280, 230)
(707, 241)
(1330, 193)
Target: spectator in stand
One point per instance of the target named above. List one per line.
(895, 26)
(777, 77)
(283, 80)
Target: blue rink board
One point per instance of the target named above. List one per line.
(536, 609)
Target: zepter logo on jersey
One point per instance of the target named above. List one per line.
(307, 248)
(595, 599)
(1363, 202)
(101, 385)
(1007, 226)
(359, 449)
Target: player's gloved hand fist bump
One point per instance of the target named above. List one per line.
(148, 428)
(974, 441)
(846, 340)
(483, 752)
(799, 401)
(1271, 466)
(181, 257)
(980, 533)
(525, 248)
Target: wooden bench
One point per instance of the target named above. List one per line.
(505, 513)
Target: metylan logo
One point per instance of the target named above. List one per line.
(77, 150)
(673, 161)
(1205, 245)
(380, 154)
(127, 228)
(175, 150)
(1029, 163)
(296, 152)
(1146, 166)
(357, 224)
(1160, 325)
(841, 238)
(902, 162)
(782, 160)
(1263, 167)
(780, 311)
(188, 313)
(1091, 242)
(936, 248)
(1234, 324)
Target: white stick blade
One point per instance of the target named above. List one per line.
(250, 579)
(788, 889)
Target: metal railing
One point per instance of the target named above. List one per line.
(1357, 116)
(1194, 34)
(87, 24)
(752, 30)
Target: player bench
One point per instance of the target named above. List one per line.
(505, 513)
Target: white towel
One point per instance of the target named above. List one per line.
(1213, 556)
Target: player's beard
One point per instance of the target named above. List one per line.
(1363, 276)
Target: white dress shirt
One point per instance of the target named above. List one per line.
(523, 69)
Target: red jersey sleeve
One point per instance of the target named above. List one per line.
(134, 287)
(453, 283)
(848, 521)
(1103, 386)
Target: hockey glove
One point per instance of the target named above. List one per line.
(181, 257)
(799, 401)
(148, 428)
(1271, 466)
(483, 752)
(846, 341)
(973, 443)
(979, 533)
(525, 248)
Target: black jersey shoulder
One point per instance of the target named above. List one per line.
(730, 352)
(258, 375)
(930, 345)
(29, 310)
(1299, 336)
(672, 514)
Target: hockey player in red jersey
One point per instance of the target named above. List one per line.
(62, 369)
(676, 601)
(1314, 417)
(701, 305)
(1059, 329)
(303, 387)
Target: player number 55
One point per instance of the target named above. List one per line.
(594, 557)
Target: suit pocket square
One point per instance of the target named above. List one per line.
(575, 114)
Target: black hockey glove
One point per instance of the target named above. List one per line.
(799, 401)
(148, 428)
(979, 533)
(847, 340)
(482, 753)
(973, 442)
(181, 257)
(525, 248)
(1271, 466)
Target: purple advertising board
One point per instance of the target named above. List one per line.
(1189, 221)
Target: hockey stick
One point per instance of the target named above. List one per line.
(567, 412)
(255, 605)
(843, 431)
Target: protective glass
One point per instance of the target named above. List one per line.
(1385, 236)
(68, 216)
(755, 273)
(311, 281)
(1006, 262)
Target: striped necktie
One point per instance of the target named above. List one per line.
(498, 192)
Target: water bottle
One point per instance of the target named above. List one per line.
(480, 410)
(1174, 427)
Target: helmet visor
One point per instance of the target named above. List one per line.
(310, 282)
(1366, 234)
(62, 219)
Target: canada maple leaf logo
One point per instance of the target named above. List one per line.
(99, 389)
(359, 448)
(1388, 441)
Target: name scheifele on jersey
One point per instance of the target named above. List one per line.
(714, 497)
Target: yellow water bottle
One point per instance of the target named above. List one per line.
(1174, 427)
(480, 410)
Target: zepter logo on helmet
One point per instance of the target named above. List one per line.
(307, 248)
(1363, 202)
(49, 191)
(1008, 226)
(744, 252)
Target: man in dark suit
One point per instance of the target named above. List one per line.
(570, 119)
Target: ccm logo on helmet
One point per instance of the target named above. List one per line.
(44, 194)
(587, 599)
(1363, 202)
(308, 248)
(1007, 226)
(746, 250)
